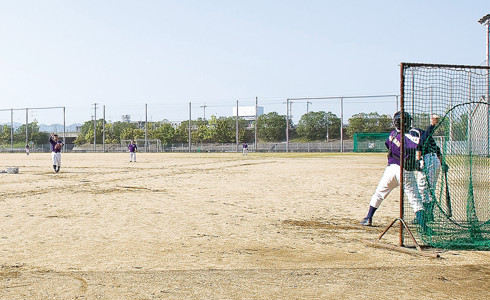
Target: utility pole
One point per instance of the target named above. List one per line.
(95, 127)
(308, 106)
(204, 111)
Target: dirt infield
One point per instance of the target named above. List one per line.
(211, 226)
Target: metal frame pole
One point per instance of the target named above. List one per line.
(255, 125)
(287, 125)
(488, 88)
(27, 126)
(146, 127)
(190, 127)
(11, 129)
(64, 128)
(95, 127)
(402, 149)
(341, 124)
(103, 128)
(236, 130)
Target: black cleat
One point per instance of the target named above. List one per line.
(367, 221)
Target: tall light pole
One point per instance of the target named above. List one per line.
(485, 20)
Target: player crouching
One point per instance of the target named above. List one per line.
(391, 175)
(56, 146)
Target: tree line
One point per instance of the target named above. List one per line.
(271, 127)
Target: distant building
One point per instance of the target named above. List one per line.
(248, 113)
(126, 118)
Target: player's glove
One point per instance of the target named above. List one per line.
(444, 167)
(420, 164)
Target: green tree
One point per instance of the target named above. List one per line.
(34, 135)
(318, 125)
(371, 122)
(271, 127)
(5, 134)
(132, 134)
(164, 132)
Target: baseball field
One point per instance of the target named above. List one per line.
(212, 226)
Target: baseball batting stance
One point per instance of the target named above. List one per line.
(56, 146)
(391, 176)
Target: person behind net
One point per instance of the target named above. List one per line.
(430, 167)
(132, 151)
(391, 176)
(56, 146)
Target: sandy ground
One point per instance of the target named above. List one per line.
(212, 226)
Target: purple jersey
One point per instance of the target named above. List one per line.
(132, 147)
(53, 145)
(412, 144)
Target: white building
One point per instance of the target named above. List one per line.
(247, 112)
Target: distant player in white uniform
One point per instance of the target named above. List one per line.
(391, 176)
(132, 151)
(56, 146)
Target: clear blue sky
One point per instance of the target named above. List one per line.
(123, 54)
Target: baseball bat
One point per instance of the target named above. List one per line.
(448, 198)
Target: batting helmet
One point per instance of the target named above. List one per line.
(397, 120)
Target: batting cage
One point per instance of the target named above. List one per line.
(453, 173)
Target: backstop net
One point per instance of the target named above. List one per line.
(456, 210)
(370, 142)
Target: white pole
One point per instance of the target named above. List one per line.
(190, 128)
(27, 126)
(103, 129)
(95, 127)
(287, 125)
(236, 131)
(341, 124)
(64, 128)
(12, 129)
(146, 127)
(255, 129)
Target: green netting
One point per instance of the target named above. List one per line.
(456, 212)
(370, 142)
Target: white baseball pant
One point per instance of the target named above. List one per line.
(391, 180)
(56, 157)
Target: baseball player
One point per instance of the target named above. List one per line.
(244, 149)
(430, 167)
(28, 149)
(391, 175)
(132, 151)
(56, 146)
